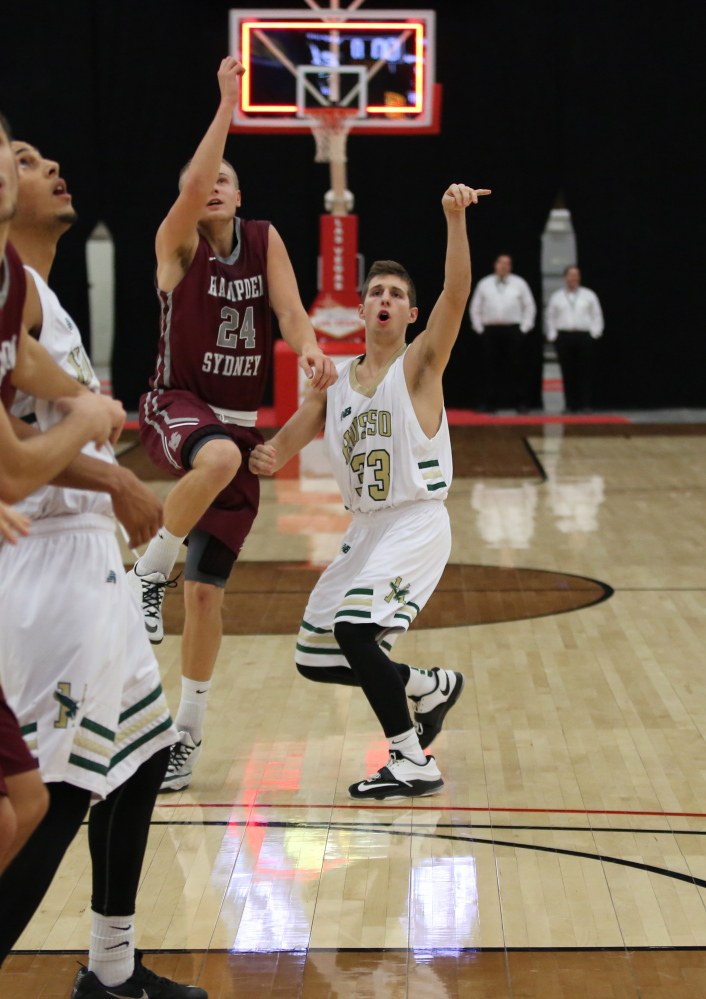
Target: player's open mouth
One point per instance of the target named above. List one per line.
(383, 316)
(213, 202)
(60, 189)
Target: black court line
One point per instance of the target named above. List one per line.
(445, 825)
(411, 833)
(421, 951)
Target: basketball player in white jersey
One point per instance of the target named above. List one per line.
(388, 440)
(76, 665)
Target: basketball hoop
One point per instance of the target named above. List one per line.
(330, 127)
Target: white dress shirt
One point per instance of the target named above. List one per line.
(502, 302)
(574, 310)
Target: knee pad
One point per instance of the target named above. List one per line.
(208, 560)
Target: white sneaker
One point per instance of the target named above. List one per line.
(183, 757)
(431, 709)
(399, 778)
(149, 590)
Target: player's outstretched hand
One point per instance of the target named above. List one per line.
(12, 523)
(458, 197)
(319, 369)
(229, 80)
(263, 458)
(137, 508)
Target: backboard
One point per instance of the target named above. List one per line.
(380, 63)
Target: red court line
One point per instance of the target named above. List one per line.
(449, 808)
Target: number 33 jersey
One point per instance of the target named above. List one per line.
(216, 325)
(381, 457)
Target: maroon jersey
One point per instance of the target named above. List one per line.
(216, 326)
(13, 285)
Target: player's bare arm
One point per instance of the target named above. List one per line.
(429, 353)
(28, 464)
(298, 431)
(12, 524)
(292, 318)
(137, 508)
(177, 237)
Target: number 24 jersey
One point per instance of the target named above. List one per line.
(216, 325)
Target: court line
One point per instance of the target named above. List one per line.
(411, 833)
(443, 808)
(440, 825)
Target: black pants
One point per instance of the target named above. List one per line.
(504, 370)
(575, 350)
(117, 839)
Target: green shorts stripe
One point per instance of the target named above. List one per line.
(317, 631)
(28, 729)
(361, 593)
(129, 712)
(428, 464)
(353, 613)
(81, 761)
(153, 733)
(97, 729)
(405, 616)
(436, 485)
(318, 652)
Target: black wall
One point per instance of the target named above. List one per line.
(598, 103)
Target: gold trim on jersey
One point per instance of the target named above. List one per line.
(370, 390)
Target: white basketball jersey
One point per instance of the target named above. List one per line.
(61, 338)
(381, 457)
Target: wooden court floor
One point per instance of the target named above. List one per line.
(566, 856)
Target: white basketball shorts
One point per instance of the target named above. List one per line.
(76, 665)
(389, 566)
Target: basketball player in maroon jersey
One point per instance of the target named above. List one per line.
(24, 466)
(217, 277)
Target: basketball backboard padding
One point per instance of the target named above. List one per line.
(285, 50)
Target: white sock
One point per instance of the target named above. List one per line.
(111, 957)
(421, 682)
(192, 707)
(162, 552)
(407, 743)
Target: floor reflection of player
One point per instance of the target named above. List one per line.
(505, 514)
(575, 503)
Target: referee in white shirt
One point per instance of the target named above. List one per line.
(503, 310)
(574, 320)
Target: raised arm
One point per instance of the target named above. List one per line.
(302, 427)
(177, 237)
(293, 321)
(428, 355)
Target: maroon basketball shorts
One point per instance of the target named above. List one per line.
(15, 758)
(172, 423)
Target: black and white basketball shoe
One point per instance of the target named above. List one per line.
(150, 590)
(142, 984)
(183, 757)
(399, 778)
(431, 709)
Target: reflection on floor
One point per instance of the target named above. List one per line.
(574, 812)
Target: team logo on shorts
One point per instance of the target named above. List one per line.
(399, 591)
(68, 707)
(174, 441)
(345, 549)
(111, 577)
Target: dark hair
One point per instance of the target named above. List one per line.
(390, 267)
(508, 255)
(5, 126)
(223, 160)
(571, 267)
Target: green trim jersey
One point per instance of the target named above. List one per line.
(381, 457)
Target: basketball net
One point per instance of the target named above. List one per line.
(330, 127)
